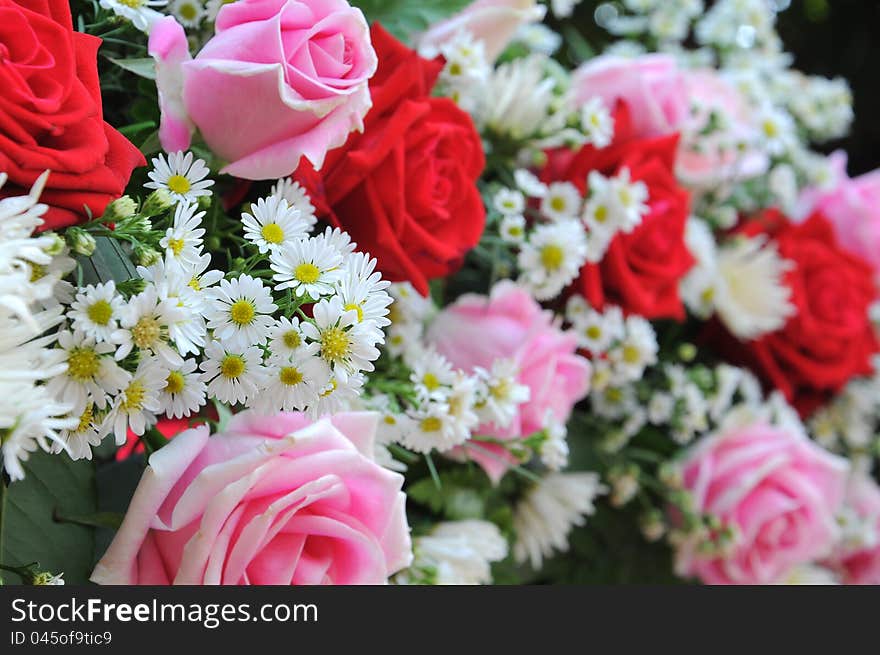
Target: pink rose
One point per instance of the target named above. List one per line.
(652, 85)
(727, 153)
(476, 330)
(279, 80)
(273, 500)
(494, 22)
(853, 206)
(859, 562)
(777, 490)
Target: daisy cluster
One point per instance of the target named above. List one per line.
(294, 327)
(195, 15)
(556, 231)
(434, 406)
(31, 267)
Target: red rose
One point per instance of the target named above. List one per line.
(641, 270)
(405, 189)
(829, 340)
(50, 114)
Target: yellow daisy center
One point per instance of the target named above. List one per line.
(187, 12)
(176, 246)
(307, 273)
(85, 419)
(134, 4)
(100, 312)
(594, 332)
(431, 382)
(557, 203)
(179, 184)
(357, 308)
(195, 284)
(333, 386)
(770, 129)
(290, 376)
(335, 345)
(272, 233)
(232, 366)
(631, 354)
(500, 391)
(134, 396)
(174, 383)
(601, 214)
(515, 231)
(242, 312)
(83, 364)
(38, 272)
(552, 257)
(146, 332)
(430, 424)
(291, 339)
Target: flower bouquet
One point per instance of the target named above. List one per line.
(356, 292)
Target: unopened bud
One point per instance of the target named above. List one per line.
(146, 256)
(157, 202)
(56, 247)
(119, 209)
(80, 241)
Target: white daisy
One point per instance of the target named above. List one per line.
(139, 12)
(188, 12)
(81, 438)
(404, 339)
(529, 184)
(562, 201)
(145, 324)
(433, 428)
(95, 311)
(459, 552)
(432, 374)
(201, 279)
(548, 512)
(285, 339)
(554, 449)
(184, 391)
(597, 122)
(616, 203)
(338, 239)
(637, 350)
(552, 258)
(751, 296)
(240, 312)
(461, 400)
(91, 372)
(181, 175)
(292, 385)
(338, 396)
(30, 419)
(364, 290)
(310, 267)
(189, 330)
(135, 408)
(183, 240)
(345, 345)
(597, 332)
(509, 202)
(232, 376)
(513, 229)
(272, 223)
(296, 196)
(501, 394)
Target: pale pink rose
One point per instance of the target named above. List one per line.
(776, 489)
(729, 152)
(494, 22)
(853, 206)
(476, 330)
(273, 500)
(859, 563)
(651, 85)
(279, 80)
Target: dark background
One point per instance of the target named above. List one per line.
(827, 37)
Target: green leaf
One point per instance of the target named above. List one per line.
(151, 145)
(108, 262)
(404, 18)
(29, 531)
(142, 67)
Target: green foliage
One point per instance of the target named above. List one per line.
(30, 529)
(404, 18)
(140, 66)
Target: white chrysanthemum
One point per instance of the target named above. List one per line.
(624, 201)
(433, 428)
(184, 391)
(338, 396)
(233, 376)
(82, 437)
(561, 202)
(778, 130)
(95, 311)
(183, 240)
(548, 512)
(636, 351)
(554, 450)
(519, 99)
(91, 373)
(136, 406)
(338, 239)
(296, 196)
(509, 202)
(310, 267)
(181, 175)
(189, 13)
(240, 312)
(552, 258)
(461, 552)
(200, 278)
(500, 394)
(404, 339)
(697, 288)
(597, 332)
(529, 184)
(513, 229)
(345, 345)
(46, 283)
(180, 287)
(432, 374)
(751, 296)
(139, 12)
(145, 324)
(461, 400)
(597, 122)
(273, 223)
(285, 339)
(363, 289)
(292, 385)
